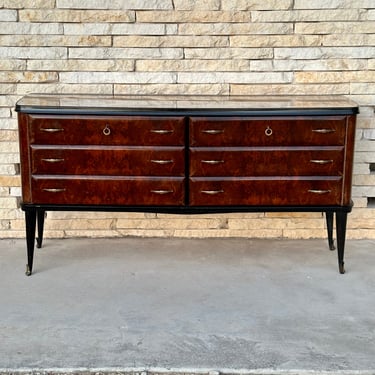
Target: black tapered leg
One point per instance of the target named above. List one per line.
(341, 218)
(30, 216)
(329, 220)
(41, 214)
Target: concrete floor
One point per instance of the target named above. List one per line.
(216, 304)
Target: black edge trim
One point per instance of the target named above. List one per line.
(186, 210)
(210, 112)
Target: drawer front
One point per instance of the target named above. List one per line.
(213, 162)
(265, 192)
(120, 161)
(113, 130)
(281, 131)
(108, 191)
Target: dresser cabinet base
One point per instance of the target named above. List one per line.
(186, 155)
(35, 216)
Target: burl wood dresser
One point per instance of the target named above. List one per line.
(187, 155)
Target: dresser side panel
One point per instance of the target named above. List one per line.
(349, 159)
(24, 145)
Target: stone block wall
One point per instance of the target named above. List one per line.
(217, 47)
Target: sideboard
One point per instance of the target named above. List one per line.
(186, 155)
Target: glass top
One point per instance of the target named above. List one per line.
(128, 103)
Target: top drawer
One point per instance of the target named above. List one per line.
(108, 130)
(267, 131)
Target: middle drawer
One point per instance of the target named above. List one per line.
(266, 161)
(111, 161)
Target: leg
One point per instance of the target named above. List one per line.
(341, 218)
(41, 214)
(30, 216)
(329, 220)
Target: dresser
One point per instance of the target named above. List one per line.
(186, 155)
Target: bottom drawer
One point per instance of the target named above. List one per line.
(252, 191)
(108, 191)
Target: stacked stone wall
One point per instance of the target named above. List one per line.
(216, 47)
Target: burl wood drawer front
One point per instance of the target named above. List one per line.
(280, 131)
(111, 160)
(113, 130)
(265, 192)
(266, 161)
(108, 191)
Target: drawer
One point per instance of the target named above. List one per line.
(111, 160)
(257, 161)
(265, 192)
(108, 191)
(106, 130)
(269, 131)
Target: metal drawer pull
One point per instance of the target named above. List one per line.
(106, 130)
(319, 191)
(212, 192)
(54, 190)
(51, 130)
(268, 132)
(162, 192)
(324, 131)
(162, 161)
(213, 131)
(212, 162)
(53, 160)
(161, 131)
(317, 161)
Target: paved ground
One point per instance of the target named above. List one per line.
(187, 304)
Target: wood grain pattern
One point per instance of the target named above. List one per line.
(277, 191)
(253, 160)
(108, 191)
(108, 160)
(123, 130)
(266, 161)
(286, 131)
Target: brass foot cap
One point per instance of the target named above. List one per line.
(341, 268)
(28, 270)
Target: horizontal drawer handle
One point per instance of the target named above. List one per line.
(324, 131)
(318, 161)
(53, 160)
(51, 130)
(162, 192)
(161, 131)
(162, 162)
(319, 191)
(212, 192)
(212, 162)
(213, 131)
(52, 190)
